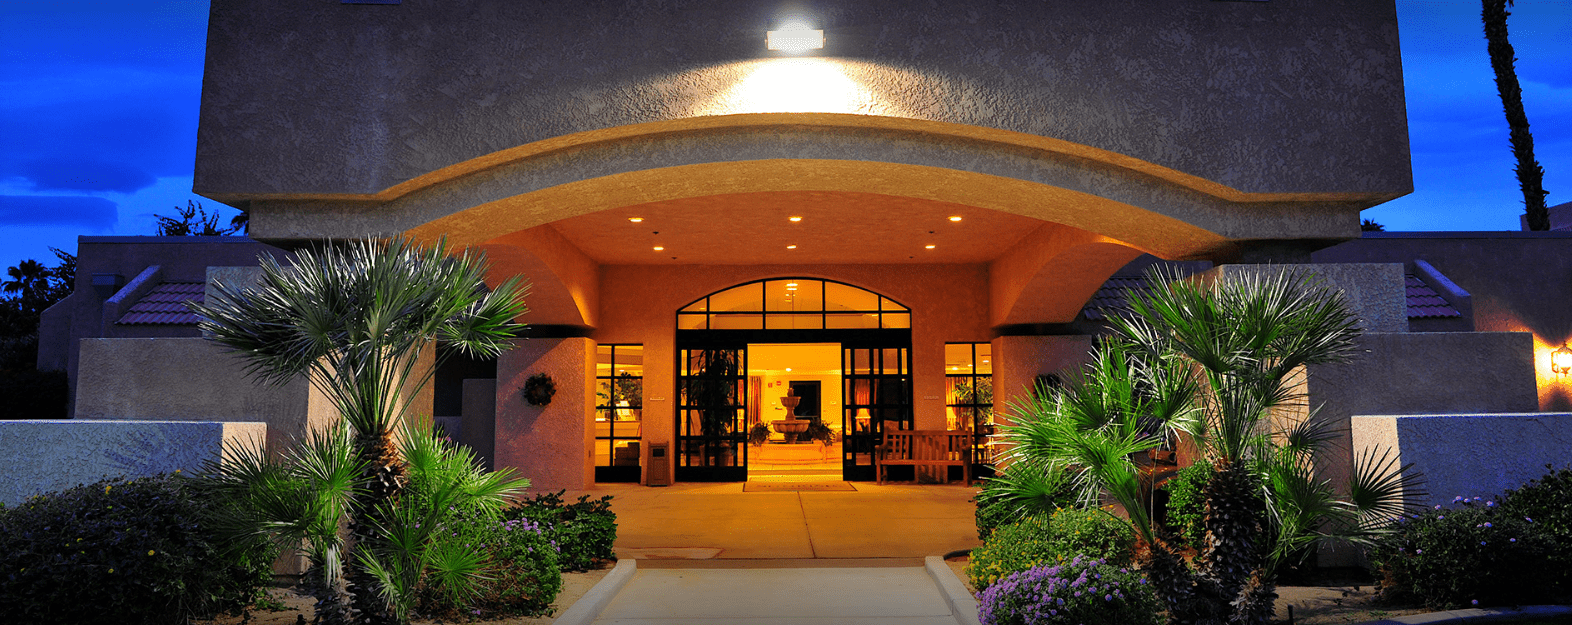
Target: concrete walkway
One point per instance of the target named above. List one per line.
(702, 521)
(711, 553)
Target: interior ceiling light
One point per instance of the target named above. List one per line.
(635, 219)
(791, 285)
(955, 217)
(794, 218)
(794, 37)
(930, 246)
(659, 248)
(791, 247)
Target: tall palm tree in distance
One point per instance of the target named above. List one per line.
(1530, 176)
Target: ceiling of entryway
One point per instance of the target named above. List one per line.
(755, 228)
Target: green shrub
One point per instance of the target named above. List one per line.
(1082, 591)
(524, 577)
(121, 551)
(1022, 491)
(582, 531)
(1048, 540)
(1547, 501)
(1187, 503)
(1474, 555)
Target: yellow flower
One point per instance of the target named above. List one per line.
(150, 552)
(106, 489)
(111, 570)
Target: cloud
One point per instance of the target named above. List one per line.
(83, 174)
(93, 213)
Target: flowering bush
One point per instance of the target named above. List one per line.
(1469, 555)
(1047, 540)
(583, 530)
(1548, 501)
(523, 571)
(120, 551)
(1083, 591)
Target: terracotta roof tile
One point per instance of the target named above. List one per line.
(165, 305)
(1423, 301)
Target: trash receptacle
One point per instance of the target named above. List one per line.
(658, 469)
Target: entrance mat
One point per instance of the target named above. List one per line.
(775, 487)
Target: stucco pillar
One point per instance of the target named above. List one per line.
(551, 444)
(1018, 360)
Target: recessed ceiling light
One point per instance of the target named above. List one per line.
(794, 218)
(788, 369)
(635, 219)
(955, 217)
(791, 285)
(929, 246)
(794, 37)
(659, 248)
(791, 247)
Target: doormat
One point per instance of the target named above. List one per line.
(776, 487)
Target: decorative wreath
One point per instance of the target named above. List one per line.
(538, 389)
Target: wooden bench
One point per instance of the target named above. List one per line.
(940, 449)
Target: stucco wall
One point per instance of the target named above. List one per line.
(1519, 282)
(548, 444)
(1263, 97)
(1018, 360)
(46, 456)
(190, 379)
(1470, 455)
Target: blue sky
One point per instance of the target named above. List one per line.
(98, 115)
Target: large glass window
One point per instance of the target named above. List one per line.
(619, 412)
(968, 382)
(793, 304)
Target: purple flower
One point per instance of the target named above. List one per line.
(1528, 519)
(1475, 602)
(1481, 542)
(1108, 597)
(1441, 518)
(1488, 525)
(1511, 540)
(1419, 551)
(1490, 504)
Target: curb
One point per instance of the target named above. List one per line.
(1476, 615)
(962, 604)
(588, 607)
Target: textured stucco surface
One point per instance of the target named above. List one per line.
(190, 379)
(1519, 282)
(1286, 96)
(1470, 455)
(548, 444)
(1018, 360)
(1373, 292)
(46, 456)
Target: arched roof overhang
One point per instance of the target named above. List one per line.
(1107, 208)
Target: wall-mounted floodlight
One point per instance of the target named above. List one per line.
(794, 38)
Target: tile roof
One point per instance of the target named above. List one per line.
(165, 305)
(1423, 301)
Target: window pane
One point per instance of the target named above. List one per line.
(603, 360)
(887, 304)
(808, 322)
(691, 322)
(984, 358)
(784, 295)
(836, 321)
(897, 320)
(602, 453)
(747, 298)
(737, 322)
(957, 358)
(699, 306)
(843, 297)
(625, 454)
(893, 363)
(602, 393)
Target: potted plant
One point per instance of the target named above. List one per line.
(758, 434)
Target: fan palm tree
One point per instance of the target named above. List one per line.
(1220, 364)
(353, 319)
(29, 280)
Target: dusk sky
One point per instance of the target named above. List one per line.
(98, 116)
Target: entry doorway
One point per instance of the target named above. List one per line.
(793, 417)
(856, 341)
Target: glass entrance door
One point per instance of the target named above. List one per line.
(712, 413)
(878, 395)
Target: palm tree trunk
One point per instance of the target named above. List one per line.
(1530, 176)
(1234, 527)
(382, 481)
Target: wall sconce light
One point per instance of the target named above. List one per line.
(1561, 360)
(794, 38)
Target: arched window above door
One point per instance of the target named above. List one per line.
(793, 304)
